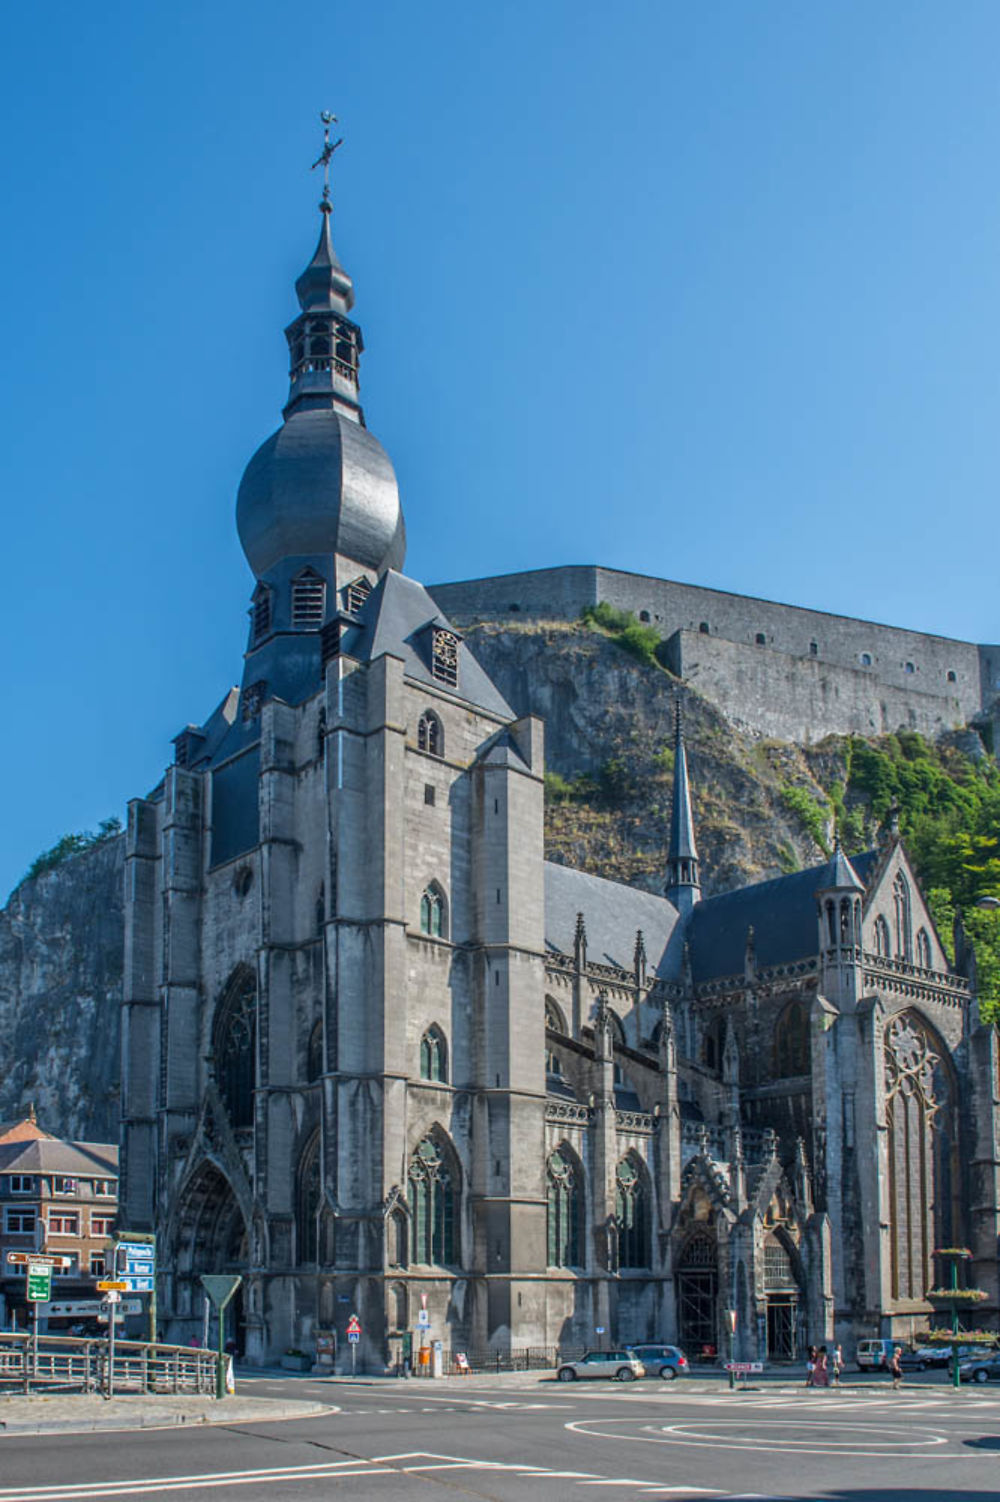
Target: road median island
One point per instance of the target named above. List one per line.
(82, 1413)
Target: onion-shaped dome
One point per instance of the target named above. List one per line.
(322, 483)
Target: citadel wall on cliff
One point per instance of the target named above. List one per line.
(776, 670)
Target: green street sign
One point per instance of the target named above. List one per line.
(220, 1287)
(39, 1283)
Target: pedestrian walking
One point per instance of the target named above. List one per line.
(896, 1368)
(838, 1364)
(821, 1371)
(810, 1365)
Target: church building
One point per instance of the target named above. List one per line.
(380, 1056)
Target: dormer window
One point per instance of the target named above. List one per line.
(444, 657)
(308, 601)
(356, 594)
(253, 699)
(261, 612)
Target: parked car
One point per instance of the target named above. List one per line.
(984, 1368)
(662, 1361)
(874, 1355)
(622, 1365)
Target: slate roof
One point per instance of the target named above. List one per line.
(782, 913)
(396, 618)
(612, 914)
(48, 1155)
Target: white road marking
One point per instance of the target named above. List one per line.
(879, 1447)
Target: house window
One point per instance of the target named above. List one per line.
(356, 594)
(632, 1214)
(565, 1210)
(704, 628)
(19, 1222)
(73, 1270)
(98, 1265)
(433, 1198)
(432, 916)
(429, 794)
(644, 615)
(308, 601)
(908, 667)
(952, 676)
(865, 659)
(760, 639)
(100, 1225)
(64, 1223)
(106, 1188)
(814, 649)
(433, 1056)
(430, 734)
(261, 612)
(63, 1185)
(20, 1183)
(444, 657)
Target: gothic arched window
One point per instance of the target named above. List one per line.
(882, 943)
(901, 916)
(397, 1231)
(923, 948)
(430, 734)
(434, 1199)
(234, 1044)
(314, 1054)
(308, 600)
(307, 1203)
(434, 1056)
(432, 912)
(632, 1213)
(565, 1210)
(924, 1188)
(398, 1304)
(791, 1042)
(554, 1019)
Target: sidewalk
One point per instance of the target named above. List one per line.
(82, 1413)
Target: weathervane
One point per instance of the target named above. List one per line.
(329, 147)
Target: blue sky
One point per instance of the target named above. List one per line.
(707, 290)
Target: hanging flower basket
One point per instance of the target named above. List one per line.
(965, 1337)
(952, 1251)
(948, 1296)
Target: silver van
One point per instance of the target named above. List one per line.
(875, 1355)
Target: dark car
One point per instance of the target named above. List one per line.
(663, 1361)
(980, 1368)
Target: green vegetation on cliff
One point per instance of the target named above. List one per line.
(949, 815)
(72, 844)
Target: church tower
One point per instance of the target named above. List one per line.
(333, 1029)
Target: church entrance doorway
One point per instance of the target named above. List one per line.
(698, 1296)
(211, 1237)
(782, 1310)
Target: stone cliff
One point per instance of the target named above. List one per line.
(61, 942)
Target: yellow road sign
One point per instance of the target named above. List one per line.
(110, 1286)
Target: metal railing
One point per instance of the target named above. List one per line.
(75, 1364)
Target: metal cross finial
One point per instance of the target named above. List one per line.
(329, 147)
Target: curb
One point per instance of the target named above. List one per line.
(163, 1419)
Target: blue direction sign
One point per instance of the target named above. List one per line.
(137, 1265)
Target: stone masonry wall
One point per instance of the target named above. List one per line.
(913, 664)
(803, 699)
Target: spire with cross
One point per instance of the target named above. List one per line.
(325, 157)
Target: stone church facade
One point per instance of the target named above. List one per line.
(378, 1054)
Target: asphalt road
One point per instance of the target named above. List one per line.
(540, 1439)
